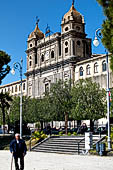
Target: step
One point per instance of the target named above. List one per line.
(70, 145)
(58, 147)
(57, 150)
(64, 143)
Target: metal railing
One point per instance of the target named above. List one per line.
(78, 143)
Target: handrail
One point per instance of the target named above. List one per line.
(79, 144)
(101, 139)
(39, 143)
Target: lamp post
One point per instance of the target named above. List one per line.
(18, 66)
(98, 36)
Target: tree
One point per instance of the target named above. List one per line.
(111, 103)
(4, 67)
(28, 109)
(107, 27)
(4, 70)
(5, 100)
(60, 101)
(88, 101)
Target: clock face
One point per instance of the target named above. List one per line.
(47, 55)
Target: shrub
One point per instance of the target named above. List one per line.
(69, 134)
(112, 135)
(38, 135)
(75, 133)
(60, 133)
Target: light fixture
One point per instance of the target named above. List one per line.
(13, 71)
(96, 42)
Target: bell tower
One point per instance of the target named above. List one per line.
(74, 39)
(32, 58)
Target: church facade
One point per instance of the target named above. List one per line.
(54, 57)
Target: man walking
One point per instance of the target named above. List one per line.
(18, 149)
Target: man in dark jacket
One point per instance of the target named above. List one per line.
(18, 149)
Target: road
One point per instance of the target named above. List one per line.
(51, 161)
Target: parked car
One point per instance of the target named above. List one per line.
(74, 130)
(100, 130)
(55, 131)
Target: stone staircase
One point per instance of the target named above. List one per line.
(63, 144)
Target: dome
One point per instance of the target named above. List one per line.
(74, 14)
(37, 33)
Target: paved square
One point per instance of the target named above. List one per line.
(51, 161)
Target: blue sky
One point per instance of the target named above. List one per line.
(18, 18)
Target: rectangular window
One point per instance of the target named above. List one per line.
(35, 59)
(73, 44)
(59, 48)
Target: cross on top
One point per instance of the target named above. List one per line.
(73, 2)
(37, 20)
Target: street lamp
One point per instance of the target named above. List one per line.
(18, 66)
(98, 36)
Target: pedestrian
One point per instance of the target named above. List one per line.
(18, 149)
(49, 129)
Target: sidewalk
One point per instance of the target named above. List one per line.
(48, 161)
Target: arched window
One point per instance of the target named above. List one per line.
(96, 67)
(88, 69)
(16, 88)
(12, 89)
(24, 86)
(66, 43)
(30, 61)
(42, 58)
(66, 29)
(78, 43)
(30, 45)
(46, 87)
(104, 66)
(52, 54)
(81, 71)
(66, 47)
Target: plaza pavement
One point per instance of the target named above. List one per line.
(51, 161)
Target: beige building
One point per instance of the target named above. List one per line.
(14, 88)
(94, 68)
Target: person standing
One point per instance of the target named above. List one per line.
(18, 149)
